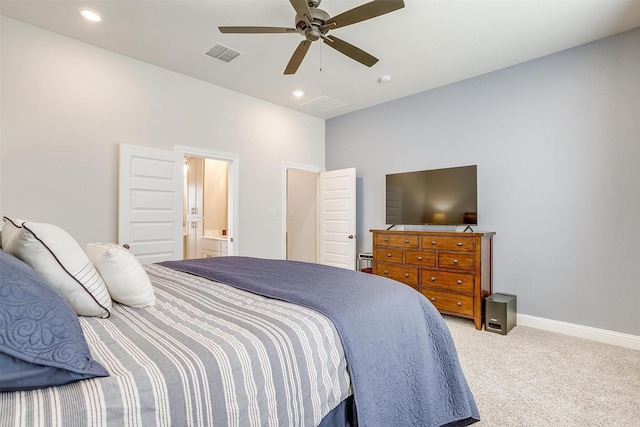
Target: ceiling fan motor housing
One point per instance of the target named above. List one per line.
(317, 19)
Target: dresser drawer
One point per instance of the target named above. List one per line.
(461, 282)
(407, 275)
(389, 255)
(466, 244)
(456, 261)
(449, 301)
(422, 258)
(399, 240)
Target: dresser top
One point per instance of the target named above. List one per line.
(440, 233)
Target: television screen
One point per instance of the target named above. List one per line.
(433, 197)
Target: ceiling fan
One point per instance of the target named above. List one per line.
(314, 24)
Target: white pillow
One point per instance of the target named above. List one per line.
(54, 254)
(126, 279)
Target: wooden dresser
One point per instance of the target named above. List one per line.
(453, 270)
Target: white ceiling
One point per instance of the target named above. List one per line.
(427, 44)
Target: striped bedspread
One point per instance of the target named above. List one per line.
(206, 354)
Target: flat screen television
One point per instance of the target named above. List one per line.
(433, 197)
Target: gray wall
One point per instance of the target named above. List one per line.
(557, 144)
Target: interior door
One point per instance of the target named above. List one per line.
(337, 203)
(150, 185)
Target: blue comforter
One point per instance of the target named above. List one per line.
(402, 361)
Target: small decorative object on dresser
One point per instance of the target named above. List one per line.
(453, 270)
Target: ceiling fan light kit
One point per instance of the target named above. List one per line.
(314, 24)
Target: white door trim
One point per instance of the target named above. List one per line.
(234, 179)
(285, 167)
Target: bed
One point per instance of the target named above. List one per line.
(240, 341)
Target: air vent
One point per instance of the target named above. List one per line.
(223, 53)
(323, 104)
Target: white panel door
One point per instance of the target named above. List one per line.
(150, 203)
(338, 218)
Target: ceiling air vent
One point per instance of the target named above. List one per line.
(323, 104)
(223, 53)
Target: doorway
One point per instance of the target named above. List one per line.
(320, 216)
(209, 203)
(302, 215)
(205, 212)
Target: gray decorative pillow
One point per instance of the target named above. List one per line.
(41, 341)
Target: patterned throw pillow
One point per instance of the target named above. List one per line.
(41, 341)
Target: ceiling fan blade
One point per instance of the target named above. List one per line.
(364, 12)
(255, 30)
(297, 57)
(302, 8)
(351, 51)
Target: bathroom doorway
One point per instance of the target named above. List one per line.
(206, 207)
(209, 203)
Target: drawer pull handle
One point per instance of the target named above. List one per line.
(385, 272)
(433, 242)
(389, 255)
(459, 282)
(419, 258)
(455, 261)
(433, 278)
(459, 243)
(406, 274)
(459, 303)
(406, 240)
(386, 240)
(433, 298)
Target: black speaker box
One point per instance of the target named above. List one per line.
(500, 313)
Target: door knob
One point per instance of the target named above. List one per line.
(351, 236)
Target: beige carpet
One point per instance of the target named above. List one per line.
(537, 378)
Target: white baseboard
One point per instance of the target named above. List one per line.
(601, 335)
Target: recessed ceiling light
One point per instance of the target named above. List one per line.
(298, 93)
(90, 15)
